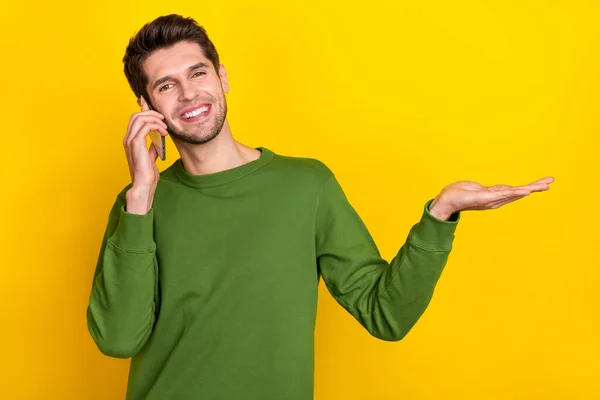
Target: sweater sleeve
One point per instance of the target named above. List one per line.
(387, 299)
(124, 294)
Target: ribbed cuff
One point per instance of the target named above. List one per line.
(135, 232)
(433, 233)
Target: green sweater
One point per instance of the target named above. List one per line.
(214, 292)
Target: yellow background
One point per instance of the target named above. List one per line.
(399, 98)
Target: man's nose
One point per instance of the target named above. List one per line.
(187, 92)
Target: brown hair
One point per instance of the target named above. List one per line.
(163, 32)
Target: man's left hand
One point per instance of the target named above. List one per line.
(467, 195)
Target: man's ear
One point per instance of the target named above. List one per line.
(223, 78)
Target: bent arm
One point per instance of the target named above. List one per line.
(385, 298)
(123, 299)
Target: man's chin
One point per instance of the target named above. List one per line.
(193, 138)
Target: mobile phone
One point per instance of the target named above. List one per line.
(158, 140)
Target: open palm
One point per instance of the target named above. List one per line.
(467, 195)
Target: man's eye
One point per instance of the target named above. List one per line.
(199, 72)
(163, 88)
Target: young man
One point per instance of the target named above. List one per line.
(208, 272)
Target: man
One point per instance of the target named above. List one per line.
(208, 272)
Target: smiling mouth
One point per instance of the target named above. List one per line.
(196, 114)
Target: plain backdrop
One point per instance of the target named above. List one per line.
(399, 99)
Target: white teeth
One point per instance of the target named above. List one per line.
(195, 112)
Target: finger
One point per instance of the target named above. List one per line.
(147, 116)
(134, 131)
(544, 181)
(137, 115)
(138, 146)
(144, 104)
(147, 110)
(536, 187)
(547, 179)
(500, 195)
(147, 128)
(151, 118)
(498, 187)
(153, 152)
(138, 124)
(150, 112)
(540, 188)
(140, 135)
(498, 204)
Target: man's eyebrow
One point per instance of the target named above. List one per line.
(164, 79)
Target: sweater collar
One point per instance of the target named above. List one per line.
(222, 177)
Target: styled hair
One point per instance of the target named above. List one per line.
(163, 32)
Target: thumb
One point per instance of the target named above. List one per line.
(144, 104)
(498, 187)
(153, 153)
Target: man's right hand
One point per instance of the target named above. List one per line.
(142, 161)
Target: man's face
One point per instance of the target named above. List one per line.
(184, 86)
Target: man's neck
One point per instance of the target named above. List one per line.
(220, 154)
